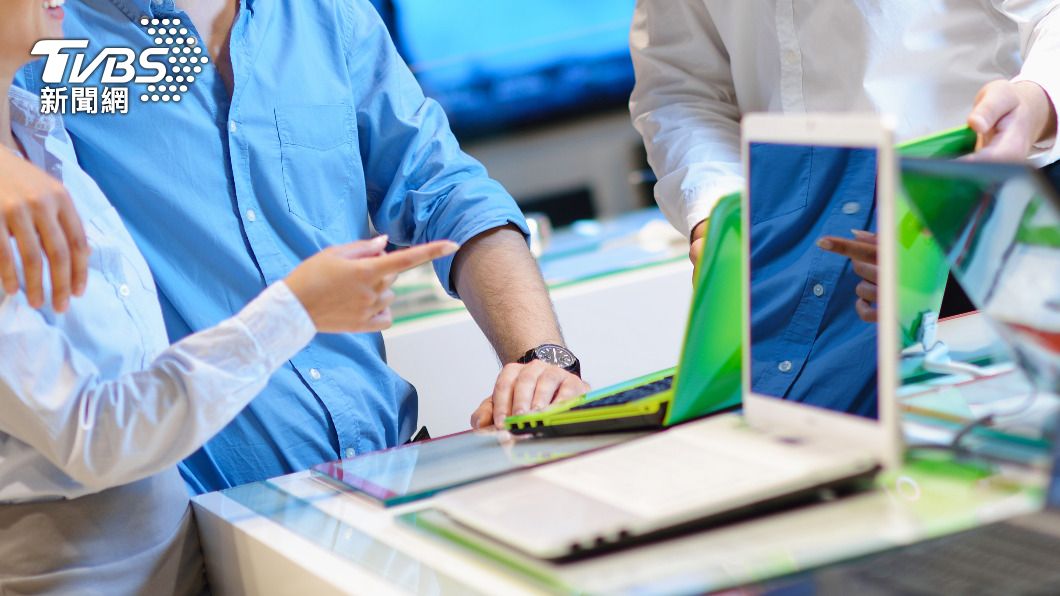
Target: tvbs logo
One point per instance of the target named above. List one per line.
(119, 64)
(162, 72)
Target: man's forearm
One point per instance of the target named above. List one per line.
(501, 284)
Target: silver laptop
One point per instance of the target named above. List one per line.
(786, 445)
(999, 225)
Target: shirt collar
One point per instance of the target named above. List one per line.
(25, 111)
(134, 9)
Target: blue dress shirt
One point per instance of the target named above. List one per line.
(808, 344)
(326, 137)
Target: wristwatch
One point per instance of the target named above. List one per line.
(555, 355)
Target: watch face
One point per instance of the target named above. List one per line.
(555, 355)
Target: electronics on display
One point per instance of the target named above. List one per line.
(495, 65)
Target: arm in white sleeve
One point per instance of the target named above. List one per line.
(109, 432)
(684, 106)
(1039, 26)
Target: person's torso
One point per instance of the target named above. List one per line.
(226, 195)
(116, 323)
(809, 344)
(863, 55)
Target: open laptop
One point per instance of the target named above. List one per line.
(999, 226)
(782, 449)
(707, 378)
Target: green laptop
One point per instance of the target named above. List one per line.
(707, 378)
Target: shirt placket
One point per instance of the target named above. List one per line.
(271, 263)
(791, 96)
(854, 210)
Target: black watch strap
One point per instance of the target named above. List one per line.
(532, 354)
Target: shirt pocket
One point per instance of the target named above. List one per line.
(320, 161)
(781, 180)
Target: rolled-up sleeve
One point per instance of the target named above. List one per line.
(421, 185)
(684, 106)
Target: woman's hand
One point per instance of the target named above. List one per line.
(346, 289)
(37, 211)
(862, 253)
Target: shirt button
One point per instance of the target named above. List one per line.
(251, 215)
(785, 366)
(851, 208)
(791, 56)
(124, 290)
(818, 290)
(232, 127)
(350, 452)
(314, 374)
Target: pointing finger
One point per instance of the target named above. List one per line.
(409, 258)
(362, 248)
(854, 249)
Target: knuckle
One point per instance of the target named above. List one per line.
(58, 253)
(78, 241)
(31, 260)
(39, 204)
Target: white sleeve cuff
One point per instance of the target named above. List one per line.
(279, 323)
(1047, 151)
(695, 205)
(688, 195)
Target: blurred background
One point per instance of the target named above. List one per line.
(538, 92)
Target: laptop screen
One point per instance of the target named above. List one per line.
(999, 225)
(811, 341)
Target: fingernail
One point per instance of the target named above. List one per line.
(520, 411)
(450, 248)
(860, 234)
(383, 239)
(825, 244)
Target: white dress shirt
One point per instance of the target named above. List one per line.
(95, 397)
(702, 64)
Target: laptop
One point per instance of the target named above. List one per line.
(707, 378)
(780, 450)
(999, 226)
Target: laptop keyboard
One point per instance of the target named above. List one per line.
(996, 559)
(624, 397)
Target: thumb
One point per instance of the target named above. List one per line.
(993, 103)
(483, 416)
(362, 248)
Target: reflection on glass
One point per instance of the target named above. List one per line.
(808, 342)
(419, 470)
(999, 227)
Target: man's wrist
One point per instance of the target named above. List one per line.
(554, 353)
